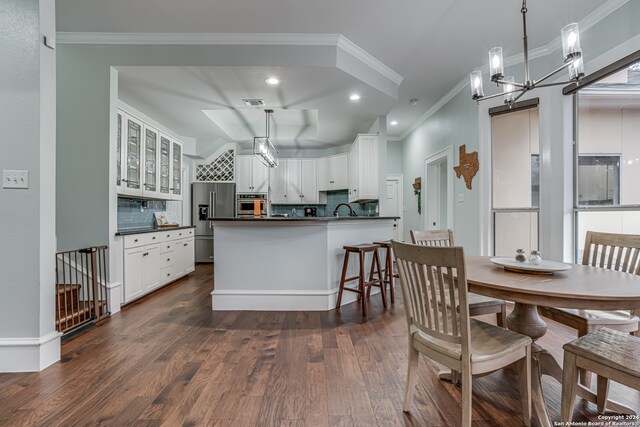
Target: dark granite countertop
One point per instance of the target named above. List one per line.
(312, 219)
(149, 230)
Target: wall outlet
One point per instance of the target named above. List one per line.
(460, 197)
(15, 179)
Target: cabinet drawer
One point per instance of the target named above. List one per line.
(176, 234)
(135, 240)
(167, 259)
(166, 246)
(166, 275)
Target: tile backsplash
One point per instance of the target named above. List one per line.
(132, 213)
(334, 198)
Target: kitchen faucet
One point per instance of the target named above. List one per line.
(351, 212)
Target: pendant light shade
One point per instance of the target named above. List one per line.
(496, 64)
(263, 147)
(476, 84)
(576, 69)
(571, 42)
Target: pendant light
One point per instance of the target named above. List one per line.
(263, 148)
(512, 91)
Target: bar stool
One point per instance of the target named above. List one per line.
(363, 285)
(388, 268)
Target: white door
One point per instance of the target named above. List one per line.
(394, 203)
(243, 174)
(438, 194)
(278, 183)
(324, 175)
(132, 273)
(294, 181)
(339, 170)
(150, 267)
(309, 178)
(259, 176)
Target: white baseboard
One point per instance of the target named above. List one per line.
(29, 354)
(279, 300)
(115, 297)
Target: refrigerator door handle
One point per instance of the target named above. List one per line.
(212, 204)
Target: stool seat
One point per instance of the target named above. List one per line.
(364, 286)
(361, 247)
(383, 243)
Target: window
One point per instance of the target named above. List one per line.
(607, 155)
(515, 181)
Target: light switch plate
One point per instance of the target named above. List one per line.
(15, 179)
(460, 197)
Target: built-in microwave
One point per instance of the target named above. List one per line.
(246, 203)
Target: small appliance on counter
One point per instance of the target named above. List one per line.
(310, 212)
(248, 205)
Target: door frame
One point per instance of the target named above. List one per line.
(400, 201)
(446, 154)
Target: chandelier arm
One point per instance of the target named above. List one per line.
(556, 84)
(504, 82)
(519, 96)
(557, 70)
(497, 95)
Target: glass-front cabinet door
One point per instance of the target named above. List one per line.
(119, 135)
(132, 167)
(165, 166)
(150, 162)
(176, 172)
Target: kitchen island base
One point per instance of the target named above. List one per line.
(287, 265)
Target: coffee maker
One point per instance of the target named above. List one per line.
(310, 212)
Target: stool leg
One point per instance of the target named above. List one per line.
(344, 276)
(371, 273)
(389, 274)
(603, 391)
(376, 258)
(361, 285)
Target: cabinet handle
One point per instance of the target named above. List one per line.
(145, 254)
(180, 234)
(168, 274)
(168, 259)
(124, 180)
(135, 240)
(331, 182)
(153, 238)
(185, 244)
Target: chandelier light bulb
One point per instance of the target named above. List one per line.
(509, 95)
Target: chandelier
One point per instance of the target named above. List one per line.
(512, 91)
(263, 148)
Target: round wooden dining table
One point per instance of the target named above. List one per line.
(581, 287)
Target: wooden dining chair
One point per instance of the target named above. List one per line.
(447, 335)
(612, 251)
(478, 304)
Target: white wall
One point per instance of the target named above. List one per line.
(27, 250)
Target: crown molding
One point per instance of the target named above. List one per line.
(292, 39)
(371, 61)
(585, 23)
(278, 39)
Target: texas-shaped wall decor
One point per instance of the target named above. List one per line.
(467, 165)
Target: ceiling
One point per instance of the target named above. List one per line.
(432, 44)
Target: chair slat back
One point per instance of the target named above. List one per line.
(620, 252)
(432, 237)
(434, 301)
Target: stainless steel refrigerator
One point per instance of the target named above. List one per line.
(210, 200)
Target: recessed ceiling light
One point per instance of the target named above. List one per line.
(413, 101)
(394, 123)
(354, 97)
(273, 81)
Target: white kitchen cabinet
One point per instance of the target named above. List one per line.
(294, 181)
(176, 170)
(332, 173)
(132, 167)
(278, 183)
(252, 176)
(141, 270)
(150, 187)
(363, 169)
(154, 259)
(148, 163)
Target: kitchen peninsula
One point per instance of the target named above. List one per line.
(287, 264)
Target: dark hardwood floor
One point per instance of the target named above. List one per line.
(170, 360)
